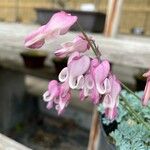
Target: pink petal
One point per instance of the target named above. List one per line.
(53, 91)
(77, 82)
(86, 91)
(35, 39)
(81, 95)
(64, 97)
(89, 82)
(104, 87)
(73, 56)
(78, 44)
(77, 68)
(108, 101)
(100, 74)
(63, 75)
(111, 113)
(115, 89)
(94, 63)
(49, 105)
(95, 96)
(59, 24)
(46, 96)
(61, 21)
(63, 103)
(146, 96)
(111, 100)
(147, 74)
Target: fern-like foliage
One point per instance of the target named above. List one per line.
(130, 135)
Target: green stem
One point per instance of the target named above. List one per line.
(124, 86)
(97, 53)
(130, 91)
(133, 112)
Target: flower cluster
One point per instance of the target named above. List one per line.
(92, 77)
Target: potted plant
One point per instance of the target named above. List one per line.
(59, 64)
(93, 78)
(33, 59)
(128, 133)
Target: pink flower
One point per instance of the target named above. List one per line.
(146, 96)
(111, 99)
(64, 98)
(79, 44)
(59, 24)
(96, 82)
(52, 93)
(89, 86)
(101, 73)
(77, 66)
(58, 94)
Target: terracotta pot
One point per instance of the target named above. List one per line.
(33, 59)
(59, 64)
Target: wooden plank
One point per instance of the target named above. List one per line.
(124, 50)
(94, 132)
(114, 10)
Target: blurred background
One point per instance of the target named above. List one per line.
(135, 13)
(24, 75)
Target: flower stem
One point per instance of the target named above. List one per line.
(96, 51)
(133, 112)
(130, 91)
(125, 87)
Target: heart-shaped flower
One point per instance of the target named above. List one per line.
(59, 24)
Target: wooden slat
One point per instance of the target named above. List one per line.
(124, 50)
(114, 10)
(94, 132)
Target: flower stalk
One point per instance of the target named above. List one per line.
(126, 104)
(95, 50)
(130, 91)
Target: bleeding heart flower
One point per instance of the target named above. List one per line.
(89, 86)
(52, 93)
(79, 44)
(77, 66)
(64, 97)
(59, 94)
(111, 100)
(101, 73)
(59, 24)
(146, 96)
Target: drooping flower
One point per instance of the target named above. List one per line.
(64, 98)
(79, 44)
(89, 86)
(58, 94)
(146, 96)
(101, 73)
(96, 81)
(77, 66)
(59, 24)
(51, 95)
(111, 99)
